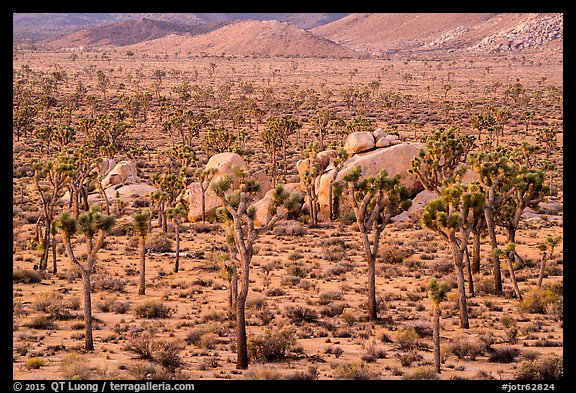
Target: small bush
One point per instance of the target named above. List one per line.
(328, 297)
(301, 314)
(159, 242)
(544, 368)
(34, 363)
(153, 309)
(276, 292)
(463, 348)
(536, 300)
(107, 282)
(393, 254)
(503, 355)
(262, 373)
(408, 339)
(421, 373)
(271, 346)
(74, 367)
(296, 269)
(407, 358)
(355, 371)
(26, 276)
(41, 322)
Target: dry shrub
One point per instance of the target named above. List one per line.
(544, 368)
(103, 281)
(158, 242)
(164, 353)
(75, 367)
(355, 371)
(153, 309)
(408, 339)
(299, 314)
(262, 373)
(26, 276)
(393, 254)
(272, 345)
(421, 373)
(503, 355)
(463, 348)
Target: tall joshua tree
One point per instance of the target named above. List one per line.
(547, 247)
(450, 216)
(309, 170)
(375, 200)
(238, 203)
(50, 179)
(142, 226)
(437, 292)
(94, 226)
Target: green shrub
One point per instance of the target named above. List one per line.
(271, 346)
(296, 269)
(536, 300)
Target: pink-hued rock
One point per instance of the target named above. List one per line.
(358, 142)
(263, 204)
(123, 172)
(395, 159)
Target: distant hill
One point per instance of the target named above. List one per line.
(126, 33)
(35, 27)
(250, 37)
(383, 33)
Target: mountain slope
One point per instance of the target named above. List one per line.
(403, 32)
(245, 38)
(124, 33)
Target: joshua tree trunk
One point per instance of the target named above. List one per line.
(177, 261)
(494, 245)
(54, 260)
(241, 343)
(469, 273)
(543, 260)
(458, 265)
(371, 259)
(88, 340)
(203, 204)
(510, 258)
(436, 336)
(44, 257)
(142, 251)
(476, 252)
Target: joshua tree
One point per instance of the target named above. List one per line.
(440, 163)
(321, 119)
(270, 138)
(309, 171)
(437, 292)
(50, 179)
(94, 226)
(375, 200)
(204, 177)
(335, 190)
(176, 214)
(284, 126)
(527, 190)
(494, 171)
(239, 205)
(547, 247)
(142, 226)
(449, 215)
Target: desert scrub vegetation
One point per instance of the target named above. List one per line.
(355, 371)
(550, 367)
(26, 276)
(536, 300)
(272, 345)
(153, 309)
